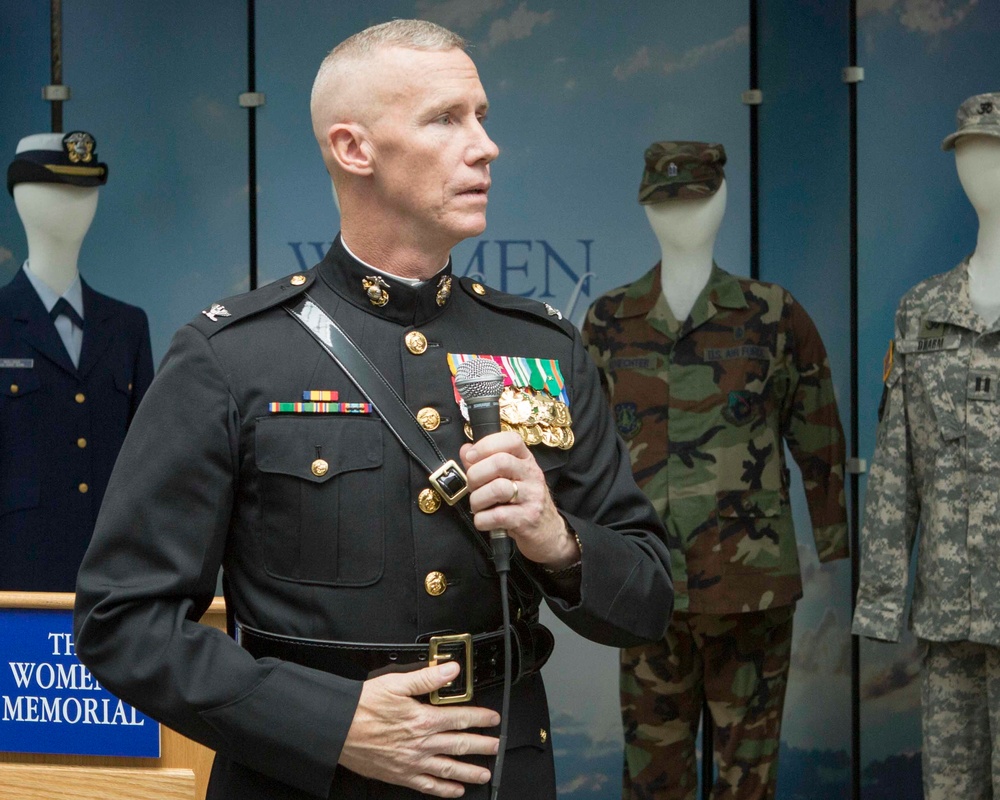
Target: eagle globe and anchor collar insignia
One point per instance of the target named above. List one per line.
(534, 402)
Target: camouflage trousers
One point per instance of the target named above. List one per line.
(960, 697)
(738, 663)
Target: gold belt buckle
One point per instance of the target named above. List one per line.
(454, 647)
(450, 482)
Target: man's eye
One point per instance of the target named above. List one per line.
(444, 119)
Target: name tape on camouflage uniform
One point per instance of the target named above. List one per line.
(534, 402)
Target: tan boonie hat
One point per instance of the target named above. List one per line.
(681, 171)
(979, 115)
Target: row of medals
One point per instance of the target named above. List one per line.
(535, 416)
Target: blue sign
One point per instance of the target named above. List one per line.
(49, 701)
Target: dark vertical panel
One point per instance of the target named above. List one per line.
(252, 139)
(804, 245)
(25, 63)
(852, 39)
(56, 71)
(754, 146)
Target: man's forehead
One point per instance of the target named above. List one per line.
(429, 77)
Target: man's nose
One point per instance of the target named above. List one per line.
(483, 148)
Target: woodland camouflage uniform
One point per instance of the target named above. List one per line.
(706, 406)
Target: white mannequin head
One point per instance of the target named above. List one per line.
(57, 211)
(977, 159)
(687, 225)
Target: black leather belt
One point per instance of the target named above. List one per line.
(480, 656)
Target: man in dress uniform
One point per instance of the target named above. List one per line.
(74, 364)
(706, 398)
(254, 451)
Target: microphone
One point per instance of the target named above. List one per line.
(480, 382)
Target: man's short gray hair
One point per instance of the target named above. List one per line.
(412, 34)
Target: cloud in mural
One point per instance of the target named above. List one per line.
(519, 25)
(921, 16)
(642, 60)
(827, 649)
(588, 783)
(457, 14)
(696, 55)
(639, 62)
(897, 676)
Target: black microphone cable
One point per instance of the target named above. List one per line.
(480, 383)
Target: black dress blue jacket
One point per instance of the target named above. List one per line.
(208, 477)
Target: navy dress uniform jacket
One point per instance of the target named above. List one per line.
(207, 477)
(61, 428)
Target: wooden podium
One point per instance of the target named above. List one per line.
(180, 773)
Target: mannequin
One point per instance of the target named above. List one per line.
(686, 231)
(935, 468)
(56, 219)
(702, 370)
(977, 159)
(74, 365)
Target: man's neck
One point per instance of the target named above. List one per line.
(394, 255)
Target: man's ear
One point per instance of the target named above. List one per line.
(350, 149)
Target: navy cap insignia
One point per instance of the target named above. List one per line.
(79, 147)
(216, 311)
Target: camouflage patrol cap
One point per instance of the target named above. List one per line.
(980, 114)
(682, 171)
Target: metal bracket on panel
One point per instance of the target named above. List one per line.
(55, 92)
(856, 466)
(752, 97)
(252, 99)
(852, 74)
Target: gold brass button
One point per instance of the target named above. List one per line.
(14, 388)
(435, 583)
(478, 288)
(543, 735)
(81, 443)
(429, 419)
(83, 488)
(297, 280)
(429, 501)
(319, 467)
(130, 386)
(79, 397)
(416, 342)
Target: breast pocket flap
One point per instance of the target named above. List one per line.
(319, 448)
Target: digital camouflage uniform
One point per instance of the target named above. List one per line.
(937, 467)
(705, 407)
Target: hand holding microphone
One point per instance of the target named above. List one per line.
(480, 382)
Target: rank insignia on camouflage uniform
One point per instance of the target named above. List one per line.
(534, 402)
(739, 407)
(627, 420)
